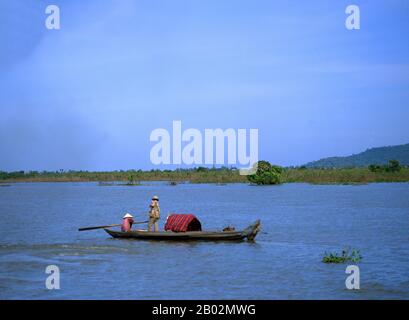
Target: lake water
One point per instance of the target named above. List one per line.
(39, 223)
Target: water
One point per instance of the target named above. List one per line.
(39, 223)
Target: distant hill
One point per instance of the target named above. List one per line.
(371, 156)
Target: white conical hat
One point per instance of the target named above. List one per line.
(128, 215)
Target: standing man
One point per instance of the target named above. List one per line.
(154, 213)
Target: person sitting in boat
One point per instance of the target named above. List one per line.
(127, 222)
(154, 214)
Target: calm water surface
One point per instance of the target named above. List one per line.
(39, 223)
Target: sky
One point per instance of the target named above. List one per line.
(88, 96)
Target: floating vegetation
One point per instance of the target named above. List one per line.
(131, 183)
(110, 184)
(106, 184)
(347, 255)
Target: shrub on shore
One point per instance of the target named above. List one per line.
(266, 174)
(392, 166)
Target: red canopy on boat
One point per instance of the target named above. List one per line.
(182, 223)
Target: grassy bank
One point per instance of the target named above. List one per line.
(204, 175)
(344, 176)
(199, 175)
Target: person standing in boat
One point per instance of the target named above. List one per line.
(127, 222)
(154, 214)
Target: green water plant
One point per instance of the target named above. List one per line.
(346, 255)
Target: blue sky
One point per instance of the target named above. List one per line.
(88, 95)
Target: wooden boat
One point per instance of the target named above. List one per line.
(250, 233)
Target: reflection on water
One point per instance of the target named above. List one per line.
(39, 223)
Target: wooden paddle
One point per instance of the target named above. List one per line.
(108, 226)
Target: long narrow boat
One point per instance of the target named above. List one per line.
(250, 233)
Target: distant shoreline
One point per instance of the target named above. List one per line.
(204, 175)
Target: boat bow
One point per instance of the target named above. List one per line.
(251, 231)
